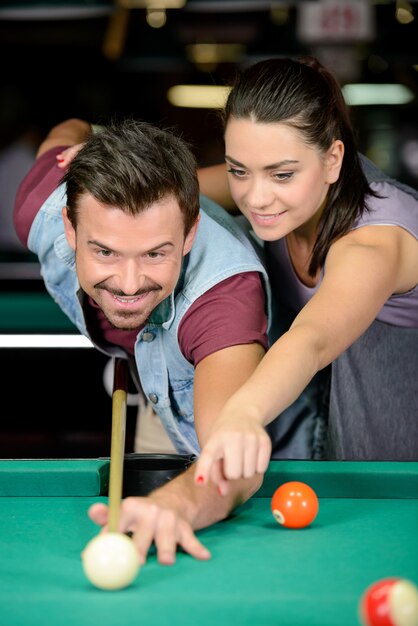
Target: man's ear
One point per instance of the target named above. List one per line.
(69, 229)
(188, 242)
(334, 161)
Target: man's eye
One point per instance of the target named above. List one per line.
(105, 253)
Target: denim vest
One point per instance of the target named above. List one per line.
(221, 249)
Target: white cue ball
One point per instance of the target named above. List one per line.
(403, 603)
(111, 561)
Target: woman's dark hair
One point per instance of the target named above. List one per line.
(130, 165)
(304, 95)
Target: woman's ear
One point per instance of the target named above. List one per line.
(334, 160)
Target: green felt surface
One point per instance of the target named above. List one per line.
(259, 574)
(32, 312)
(345, 479)
(67, 477)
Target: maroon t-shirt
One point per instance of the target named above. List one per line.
(231, 313)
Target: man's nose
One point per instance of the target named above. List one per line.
(131, 277)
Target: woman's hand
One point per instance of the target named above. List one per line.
(65, 157)
(236, 448)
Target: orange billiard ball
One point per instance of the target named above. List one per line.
(390, 602)
(294, 505)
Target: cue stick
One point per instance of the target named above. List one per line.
(117, 448)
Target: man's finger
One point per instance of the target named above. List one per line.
(99, 513)
(144, 525)
(166, 538)
(191, 544)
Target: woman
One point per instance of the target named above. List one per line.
(341, 244)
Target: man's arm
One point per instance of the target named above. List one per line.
(170, 515)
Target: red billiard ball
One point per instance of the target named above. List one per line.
(294, 505)
(390, 602)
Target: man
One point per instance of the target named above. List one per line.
(141, 270)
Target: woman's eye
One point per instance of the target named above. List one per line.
(235, 172)
(283, 175)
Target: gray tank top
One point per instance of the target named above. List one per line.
(398, 206)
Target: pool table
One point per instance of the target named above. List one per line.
(260, 573)
(26, 312)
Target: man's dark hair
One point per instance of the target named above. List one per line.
(131, 165)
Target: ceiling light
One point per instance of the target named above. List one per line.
(379, 93)
(198, 96)
(156, 18)
(404, 12)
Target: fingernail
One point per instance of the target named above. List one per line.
(60, 159)
(206, 554)
(167, 558)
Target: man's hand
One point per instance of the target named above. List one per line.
(152, 521)
(170, 515)
(236, 448)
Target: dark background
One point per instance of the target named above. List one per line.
(58, 62)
